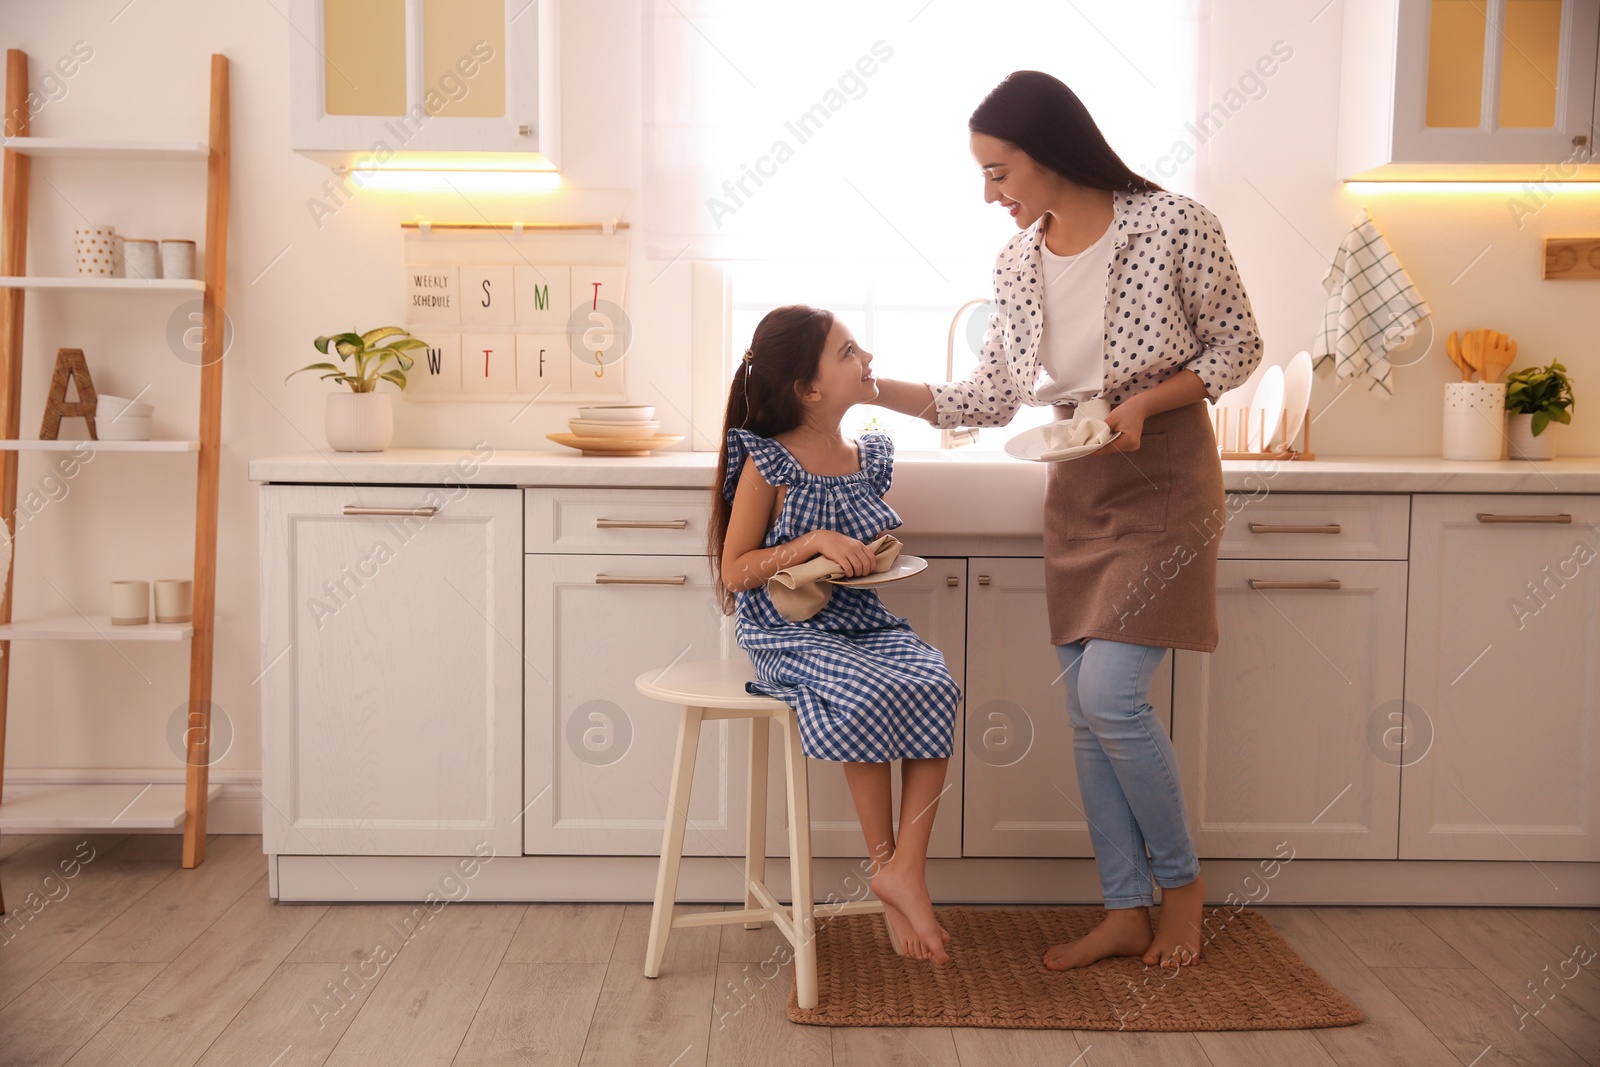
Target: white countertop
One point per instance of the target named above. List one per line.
(958, 471)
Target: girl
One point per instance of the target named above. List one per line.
(865, 687)
(1114, 288)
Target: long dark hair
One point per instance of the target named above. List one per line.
(1045, 119)
(765, 399)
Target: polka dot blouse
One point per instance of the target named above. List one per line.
(1174, 301)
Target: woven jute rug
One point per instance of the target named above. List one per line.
(1248, 978)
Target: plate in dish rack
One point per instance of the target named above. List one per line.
(615, 446)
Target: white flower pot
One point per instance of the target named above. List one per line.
(359, 422)
(1524, 445)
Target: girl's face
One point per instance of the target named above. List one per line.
(1011, 177)
(844, 373)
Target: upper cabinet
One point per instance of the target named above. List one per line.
(425, 83)
(1468, 89)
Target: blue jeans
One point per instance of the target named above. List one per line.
(1127, 773)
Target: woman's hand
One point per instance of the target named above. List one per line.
(856, 558)
(1127, 418)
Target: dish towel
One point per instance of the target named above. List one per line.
(801, 591)
(1088, 427)
(1372, 307)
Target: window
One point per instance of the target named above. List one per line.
(819, 151)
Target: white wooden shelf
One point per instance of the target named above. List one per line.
(92, 628)
(132, 285)
(48, 147)
(48, 807)
(29, 445)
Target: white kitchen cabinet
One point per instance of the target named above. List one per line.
(392, 688)
(1022, 795)
(1427, 85)
(934, 603)
(599, 755)
(375, 81)
(1503, 680)
(1279, 733)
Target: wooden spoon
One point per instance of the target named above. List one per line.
(1452, 346)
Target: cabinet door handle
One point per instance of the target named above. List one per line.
(645, 579)
(1487, 516)
(1269, 527)
(983, 579)
(641, 524)
(421, 513)
(1262, 583)
(952, 581)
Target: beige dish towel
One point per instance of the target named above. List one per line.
(1088, 427)
(799, 592)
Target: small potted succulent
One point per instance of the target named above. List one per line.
(1535, 397)
(362, 420)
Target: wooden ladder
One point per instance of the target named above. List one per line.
(13, 265)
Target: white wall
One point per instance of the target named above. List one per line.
(88, 705)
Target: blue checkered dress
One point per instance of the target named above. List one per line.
(867, 689)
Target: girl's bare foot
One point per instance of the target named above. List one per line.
(1177, 940)
(905, 898)
(1123, 932)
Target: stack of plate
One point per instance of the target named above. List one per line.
(615, 430)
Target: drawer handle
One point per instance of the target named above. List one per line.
(421, 513)
(1262, 583)
(641, 524)
(1487, 516)
(648, 579)
(1267, 527)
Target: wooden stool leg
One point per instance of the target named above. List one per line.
(672, 841)
(801, 889)
(755, 834)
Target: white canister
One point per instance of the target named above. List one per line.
(174, 600)
(177, 259)
(140, 259)
(1475, 420)
(130, 603)
(95, 248)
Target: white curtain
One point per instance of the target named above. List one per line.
(836, 131)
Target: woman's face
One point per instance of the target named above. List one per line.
(844, 373)
(1011, 178)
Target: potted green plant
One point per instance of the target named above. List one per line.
(1536, 396)
(362, 420)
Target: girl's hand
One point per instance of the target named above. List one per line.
(1127, 418)
(856, 558)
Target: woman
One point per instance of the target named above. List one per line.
(1114, 288)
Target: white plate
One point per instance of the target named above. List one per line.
(602, 428)
(904, 566)
(1032, 444)
(618, 412)
(1296, 395)
(1266, 409)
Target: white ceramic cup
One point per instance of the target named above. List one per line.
(177, 259)
(174, 600)
(130, 603)
(95, 248)
(140, 259)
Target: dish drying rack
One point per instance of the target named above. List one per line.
(1233, 432)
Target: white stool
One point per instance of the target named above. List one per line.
(714, 689)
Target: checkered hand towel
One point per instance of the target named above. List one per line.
(1372, 307)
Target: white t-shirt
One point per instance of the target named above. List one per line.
(1072, 345)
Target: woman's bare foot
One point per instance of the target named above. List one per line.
(907, 906)
(1123, 932)
(1177, 940)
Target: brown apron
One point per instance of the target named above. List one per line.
(1130, 538)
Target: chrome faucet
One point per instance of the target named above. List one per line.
(964, 435)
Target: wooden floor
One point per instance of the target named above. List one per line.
(136, 961)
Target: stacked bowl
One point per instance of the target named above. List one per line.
(615, 430)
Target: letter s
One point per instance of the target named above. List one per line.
(1283, 51)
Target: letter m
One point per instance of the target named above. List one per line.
(541, 297)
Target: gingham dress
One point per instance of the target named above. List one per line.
(866, 688)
